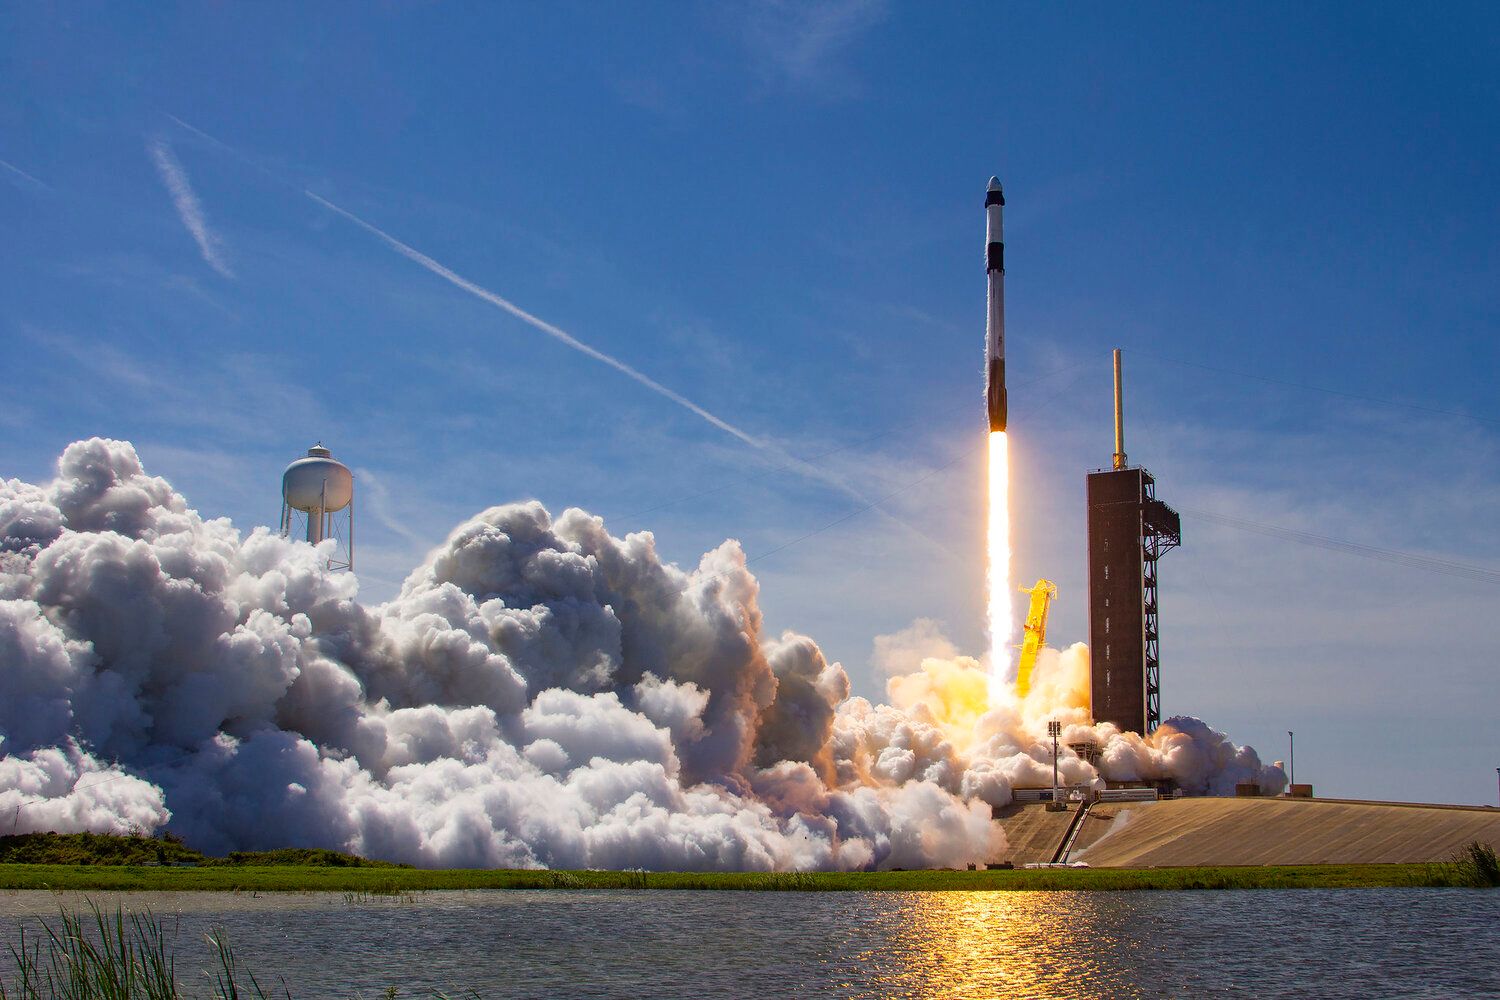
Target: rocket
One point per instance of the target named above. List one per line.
(994, 333)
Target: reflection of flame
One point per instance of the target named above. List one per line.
(1007, 944)
(999, 566)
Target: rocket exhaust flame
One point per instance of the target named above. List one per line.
(997, 407)
(1000, 624)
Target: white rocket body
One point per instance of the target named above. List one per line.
(996, 403)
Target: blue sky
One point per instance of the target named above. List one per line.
(775, 211)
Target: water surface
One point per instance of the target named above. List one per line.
(761, 945)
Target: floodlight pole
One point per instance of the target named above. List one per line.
(1291, 758)
(1054, 729)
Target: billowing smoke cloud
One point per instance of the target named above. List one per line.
(539, 693)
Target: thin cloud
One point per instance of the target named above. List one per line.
(189, 209)
(378, 502)
(555, 332)
(808, 469)
(202, 134)
(804, 44)
(836, 480)
(24, 176)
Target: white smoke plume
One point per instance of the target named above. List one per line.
(540, 693)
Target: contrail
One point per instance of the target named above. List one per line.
(188, 206)
(378, 503)
(411, 253)
(23, 174)
(206, 137)
(552, 331)
(788, 461)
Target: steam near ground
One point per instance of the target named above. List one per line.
(541, 693)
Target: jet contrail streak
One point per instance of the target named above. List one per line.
(23, 174)
(789, 462)
(189, 208)
(557, 333)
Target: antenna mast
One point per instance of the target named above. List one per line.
(1119, 417)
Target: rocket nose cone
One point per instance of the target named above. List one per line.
(993, 195)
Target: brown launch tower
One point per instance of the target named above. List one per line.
(1129, 530)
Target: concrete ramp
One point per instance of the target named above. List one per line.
(1032, 834)
(1096, 825)
(1250, 831)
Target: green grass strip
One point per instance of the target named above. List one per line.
(377, 881)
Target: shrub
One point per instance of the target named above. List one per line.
(1478, 866)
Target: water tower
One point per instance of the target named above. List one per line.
(321, 488)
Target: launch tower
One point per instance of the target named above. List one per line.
(1129, 530)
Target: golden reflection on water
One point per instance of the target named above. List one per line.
(1002, 944)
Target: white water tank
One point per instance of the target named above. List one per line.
(317, 482)
(319, 486)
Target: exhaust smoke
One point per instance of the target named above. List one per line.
(539, 693)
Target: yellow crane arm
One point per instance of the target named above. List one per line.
(1034, 632)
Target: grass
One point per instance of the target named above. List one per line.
(94, 862)
(94, 955)
(1477, 865)
(103, 956)
(399, 881)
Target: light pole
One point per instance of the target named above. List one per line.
(1054, 729)
(1291, 759)
(1497, 774)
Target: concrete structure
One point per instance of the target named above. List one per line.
(1033, 833)
(1277, 831)
(1128, 530)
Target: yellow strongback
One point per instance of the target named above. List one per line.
(1035, 631)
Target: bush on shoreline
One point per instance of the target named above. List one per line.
(166, 851)
(95, 849)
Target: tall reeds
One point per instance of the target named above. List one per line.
(1478, 866)
(112, 956)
